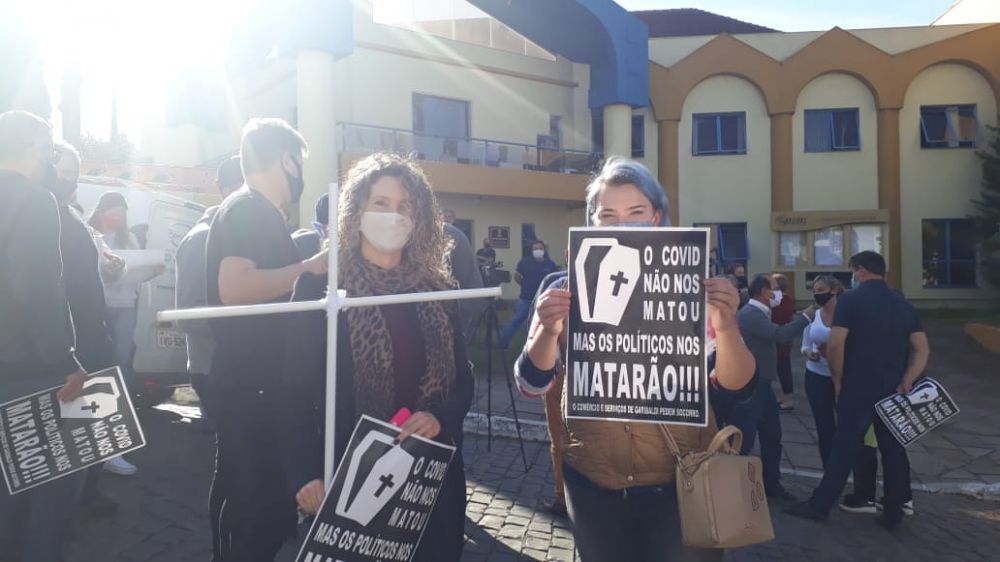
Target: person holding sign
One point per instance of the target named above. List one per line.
(619, 477)
(36, 331)
(877, 347)
(389, 357)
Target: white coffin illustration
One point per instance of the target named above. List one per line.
(617, 279)
(100, 402)
(370, 485)
(924, 392)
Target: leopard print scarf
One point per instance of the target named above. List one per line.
(371, 345)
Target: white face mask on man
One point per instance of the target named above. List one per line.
(387, 232)
(538, 254)
(776, 301)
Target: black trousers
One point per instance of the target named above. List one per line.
(854, 416)
(785, 374)
(609, 525)
(258, 513)
(823, 403)
(760, 415)
(866, 474)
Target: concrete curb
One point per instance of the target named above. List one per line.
(536, 431)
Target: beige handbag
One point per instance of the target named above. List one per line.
(720, 494)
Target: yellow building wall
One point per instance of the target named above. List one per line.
(938, 183)
(552, 221)
(729, 188)
(836, 181)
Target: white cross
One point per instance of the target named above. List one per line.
(335, 301)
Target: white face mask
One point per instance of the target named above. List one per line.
(777, 299)
(387, 232)
(539, 254)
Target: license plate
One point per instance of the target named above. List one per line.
(170, 339)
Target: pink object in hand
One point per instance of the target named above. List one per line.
(401, 416)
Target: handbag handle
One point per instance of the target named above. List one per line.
(719, 443)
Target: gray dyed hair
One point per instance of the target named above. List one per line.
(621, 171)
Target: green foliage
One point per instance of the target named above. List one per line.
(988, 207)
(116, 150)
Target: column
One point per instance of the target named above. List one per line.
(889, 189)
(781, 163)
(316, 122)
(668, 142)
(618, 130)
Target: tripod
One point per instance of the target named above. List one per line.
(489, 319)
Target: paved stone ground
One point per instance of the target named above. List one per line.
(966, 451)
(163, 516)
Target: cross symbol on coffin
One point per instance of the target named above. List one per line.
(93, 407)
(386, 482)
(925, 396)
(618, 279)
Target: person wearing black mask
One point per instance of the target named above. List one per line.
(250, 259)
(36, 330)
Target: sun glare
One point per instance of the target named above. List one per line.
(134, 48)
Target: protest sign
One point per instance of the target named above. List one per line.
(42, 439)
(911, 416)
(636, 337)
(381, 497)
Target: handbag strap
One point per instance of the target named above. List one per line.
(670, 440)
(721, 441)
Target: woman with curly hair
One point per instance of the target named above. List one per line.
(390, 356)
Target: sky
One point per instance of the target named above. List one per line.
(801, 15)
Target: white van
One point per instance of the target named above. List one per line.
(160, 359)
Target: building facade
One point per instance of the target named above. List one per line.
(798, 149)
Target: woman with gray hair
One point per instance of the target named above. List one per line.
(619, 477)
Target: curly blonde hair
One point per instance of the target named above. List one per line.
(426, 252)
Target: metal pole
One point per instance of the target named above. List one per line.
(332, 317)
(205, 313)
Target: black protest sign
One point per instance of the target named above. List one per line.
(42, 439)
(911, 416)
(381, 498)
(636, 337)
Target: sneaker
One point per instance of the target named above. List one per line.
(907, 506)
(855, 504)
(120, 466)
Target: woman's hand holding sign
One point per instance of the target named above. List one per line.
(551, 313)
(310, 497)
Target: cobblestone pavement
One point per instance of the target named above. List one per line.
(964, 452)
(162, 515)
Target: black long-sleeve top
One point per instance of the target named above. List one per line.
(85, 292)
(36, 332)
(304, 389)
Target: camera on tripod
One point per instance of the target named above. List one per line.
(494, 274)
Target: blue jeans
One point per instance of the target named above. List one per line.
(819, 391)
(643, 526)
(760, 415)
(522, 310)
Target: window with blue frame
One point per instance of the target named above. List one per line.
(948, 126)
(832, 130)
(732, 244)
(719, 133)
(949, 253)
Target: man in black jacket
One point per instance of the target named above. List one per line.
(36, 332)
(82, 258)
